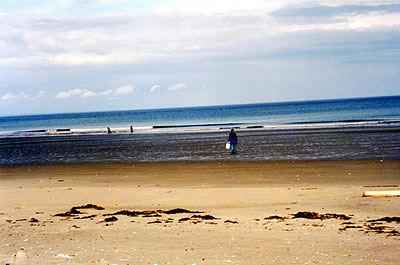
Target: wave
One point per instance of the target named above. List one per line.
(348, 121)
(197, 125)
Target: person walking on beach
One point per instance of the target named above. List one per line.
(233, 140)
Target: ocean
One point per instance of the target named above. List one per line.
(341, 129)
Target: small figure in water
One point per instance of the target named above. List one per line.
(131, 129)
(233, 140)
(108, 130)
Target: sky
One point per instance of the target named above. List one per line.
(63, 56)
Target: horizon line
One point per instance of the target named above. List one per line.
(201, 106)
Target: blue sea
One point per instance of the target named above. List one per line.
(362, 128)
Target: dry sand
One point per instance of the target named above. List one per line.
(240, 195)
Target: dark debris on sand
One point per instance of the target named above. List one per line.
(88, 206)
(204, 217)
(275, 217)
(162, 221)
(177, 211)
(386, 219)
(350, 227)
(198, 218)
(159, 213)
(375, 226)
(111, 219)
(382, 229)
(369, 226)
(151, 213)
(314, 215)
(184, 219)
(155, 222)
(86, 217)
(125, 212)
(74, 210)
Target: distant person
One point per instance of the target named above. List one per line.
(131, 129)
(108, 130)
(233, 140)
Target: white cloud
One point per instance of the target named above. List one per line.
(154, 88)
(110, 40)
(41, 93)
(105, 93)
(92, 7)
(123, 90)
(71, 93)
(374, 19)
(13, 96)
(88, 93)
(85, 93)
(177, 86)
(220, 6)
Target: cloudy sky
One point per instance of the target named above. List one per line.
(75, 55)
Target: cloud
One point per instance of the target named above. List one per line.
(123, 90)
(85, 93)
(13, 96)
(177, 86)
(325, 10)
(88, 93)
(220, 6)
(154, 88)
(95, 7)
(71, 93)
(105, 93)
(337, 17)
(374, 19)
(117, 39)
(41, 93)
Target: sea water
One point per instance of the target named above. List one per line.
(344, 111)
(364, 128)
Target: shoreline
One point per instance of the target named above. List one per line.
(322, 127)
(246, 213)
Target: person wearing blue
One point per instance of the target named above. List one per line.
(233, 140)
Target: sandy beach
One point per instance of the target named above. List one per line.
(200, 213)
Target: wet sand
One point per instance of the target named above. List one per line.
(244, 213)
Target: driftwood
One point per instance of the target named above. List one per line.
(382, 193)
